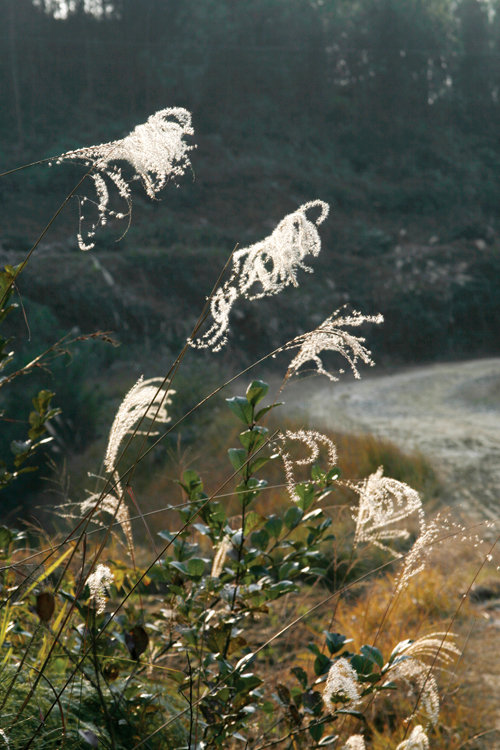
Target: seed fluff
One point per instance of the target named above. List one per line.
(98, 583)
(145, 400)
(330, 336)
(383, 502)
(341, 685)
(314, 441)
(265, 268)
(417, 740)
(156, 151)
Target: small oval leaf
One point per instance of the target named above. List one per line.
(137, 641)
(45, 605)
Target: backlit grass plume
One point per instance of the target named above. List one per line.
(407, 663)
(384, 502)
(111, 503)
(355, 742)
(341, 686)
(98, 583)
(416, 674)
(145, 401)
(330, 336)
(417, 740)
(266, 268)
(313, 441)
(156, 151)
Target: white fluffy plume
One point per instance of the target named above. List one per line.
(156, 151)
(341, 685)
(265, 268)
(146, 400)
(314, 442)
(384, 502)
(330, 336)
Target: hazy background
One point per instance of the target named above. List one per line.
(387, 109)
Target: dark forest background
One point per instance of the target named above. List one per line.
(387, 109)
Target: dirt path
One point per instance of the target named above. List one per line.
(449, 412)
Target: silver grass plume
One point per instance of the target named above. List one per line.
(98, 583)
(438, 647)
(355, 742)
(383, 502)
(416, 559)
(156, 151)
(341, 686)
(223, 548)
(330, 336)
(417, 740)
(416, 674)
(314, 441)
(265, 268)
(437, 530)
(408, 665)
(145, 400)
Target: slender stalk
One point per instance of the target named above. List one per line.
(123, 601)
(289, 626)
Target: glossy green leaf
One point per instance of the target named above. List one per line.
(252, 439)
(252, 521)
(301, 675)
(305, 491)
(328, 740)
(240, 406)
(293, 517)
(260, 539)
(256, 391)
(274, 526)
(266, 409)
(362, 664)
(373, 654)
(316, 731)
(336, 641)
(258, 464)
(237, 456)
(322, 664)
(195, 567)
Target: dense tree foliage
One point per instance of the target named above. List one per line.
(383, 66)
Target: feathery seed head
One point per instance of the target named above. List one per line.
(314, 441)
(112, 504)
(330, 336)
(156, 151)
(417, 557)
(417, 740)
(145, 400)
(382, 503)
(423, 683)
(341, 685)
(355, 742)
(265, 268)
(437, 647)
(218, 562)
(98, 583)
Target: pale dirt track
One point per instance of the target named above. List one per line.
(448, 412)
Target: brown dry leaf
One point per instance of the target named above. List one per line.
(45, 605)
